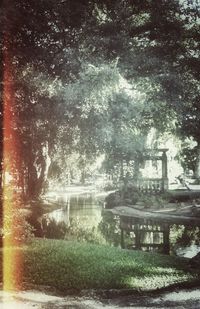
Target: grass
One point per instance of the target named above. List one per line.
(66, 265)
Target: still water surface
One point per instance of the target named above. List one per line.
(83, 207)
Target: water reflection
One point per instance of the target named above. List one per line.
(84, 208)
(189, 251)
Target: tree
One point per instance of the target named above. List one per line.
(30, 53)
(70, 61)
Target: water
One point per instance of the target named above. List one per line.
(83, 208)
(189, 251)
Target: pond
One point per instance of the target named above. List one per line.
(83, 207)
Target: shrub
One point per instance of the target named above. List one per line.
(184, 235)
(55, 230)
(16, 227)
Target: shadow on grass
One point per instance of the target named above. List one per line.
(68, 265)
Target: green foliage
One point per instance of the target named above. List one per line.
(55, 230)
(98, 75)
(131, 195)
(155, 201)
(185, 236)
(74, 266)
(187, 157)
(17, 228)
(176, 233)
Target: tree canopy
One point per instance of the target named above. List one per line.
(92, 77)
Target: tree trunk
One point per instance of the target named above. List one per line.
(83, 176)
(38, 170)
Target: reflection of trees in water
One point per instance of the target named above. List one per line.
(151, 237)
(77, 220)
(110, 229)
(74, 232)
(83, 209)
(180, 236)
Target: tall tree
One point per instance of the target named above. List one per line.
(68, 57)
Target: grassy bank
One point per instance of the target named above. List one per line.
(70, 265)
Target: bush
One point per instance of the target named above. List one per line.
(55, 230)
(130, 195)
(184, 235)
(16, 228)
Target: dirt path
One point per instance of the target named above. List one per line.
(181, 299)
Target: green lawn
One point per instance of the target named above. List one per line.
(71, 265)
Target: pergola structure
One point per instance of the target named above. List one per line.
(154, 184)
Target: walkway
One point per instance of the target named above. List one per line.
(33, 299)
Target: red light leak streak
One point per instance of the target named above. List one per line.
(12, 260)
